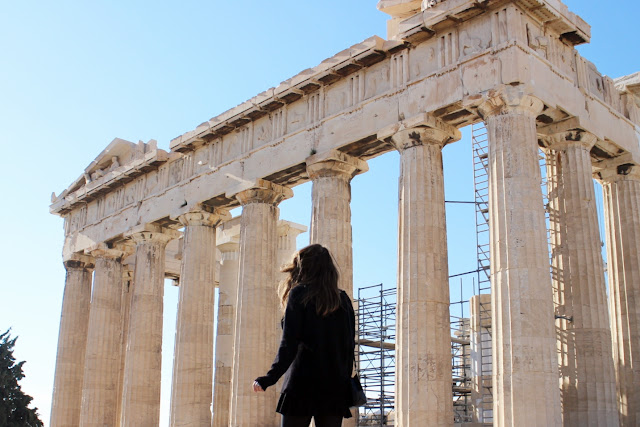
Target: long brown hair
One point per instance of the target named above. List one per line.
(313, 266)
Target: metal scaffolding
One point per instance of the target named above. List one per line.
(460, 360)
(376, 320)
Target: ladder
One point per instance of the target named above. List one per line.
(480, 147)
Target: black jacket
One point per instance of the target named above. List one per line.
(316, 353)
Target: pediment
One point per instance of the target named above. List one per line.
(120, 162)
(118, 152)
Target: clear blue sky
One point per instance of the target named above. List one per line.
(74, 75)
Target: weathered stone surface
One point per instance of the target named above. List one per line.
(191, 391)
(141, 398)
(104, 340)
(331, 174)
(587, 379)
(524, 346)
(72, 342)
(621, 188)
(423, 352)
(255, 340)
(127, 297)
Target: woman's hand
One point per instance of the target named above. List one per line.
(257, 388)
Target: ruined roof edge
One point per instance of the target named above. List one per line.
(328, 70)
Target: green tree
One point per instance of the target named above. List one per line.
(14, 404)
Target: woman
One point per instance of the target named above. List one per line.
(318, 340)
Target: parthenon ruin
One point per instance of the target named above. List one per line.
(563, 348)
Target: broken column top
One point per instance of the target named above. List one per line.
(630, 83)
(399, 8)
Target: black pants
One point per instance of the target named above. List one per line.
(304, 421)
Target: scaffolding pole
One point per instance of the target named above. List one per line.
(376, 320)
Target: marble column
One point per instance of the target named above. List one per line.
(423, 355)
(141, 396)
(72, 342)
(127, 292)
(255, 343)
(525, 363)
(227, 296)
(104, 339)
(331, 174)
(621, 188)
(587, 379)
(191, 393)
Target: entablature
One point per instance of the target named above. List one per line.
(437, 16)
(341, 105)
(362, 55)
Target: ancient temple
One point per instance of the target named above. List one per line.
(138, 214)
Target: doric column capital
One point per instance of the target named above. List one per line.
(335, 163)
(510, 100)
(79, 261)
(569, 132)
(419, 130)
(262, 191)
(204, 216)
(102, 250)
(570, 138)
(618, 171)
(152, 233)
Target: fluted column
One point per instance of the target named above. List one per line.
(331, 174)
(127, 292)
(587, 379)
(227, 297)
(141, 396)
(72, 342)
(255, 342)
(104, 340)
(621, 188)
(191, 393)
(423, 352)
(525, 364)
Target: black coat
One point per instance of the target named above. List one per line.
(316, 353)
